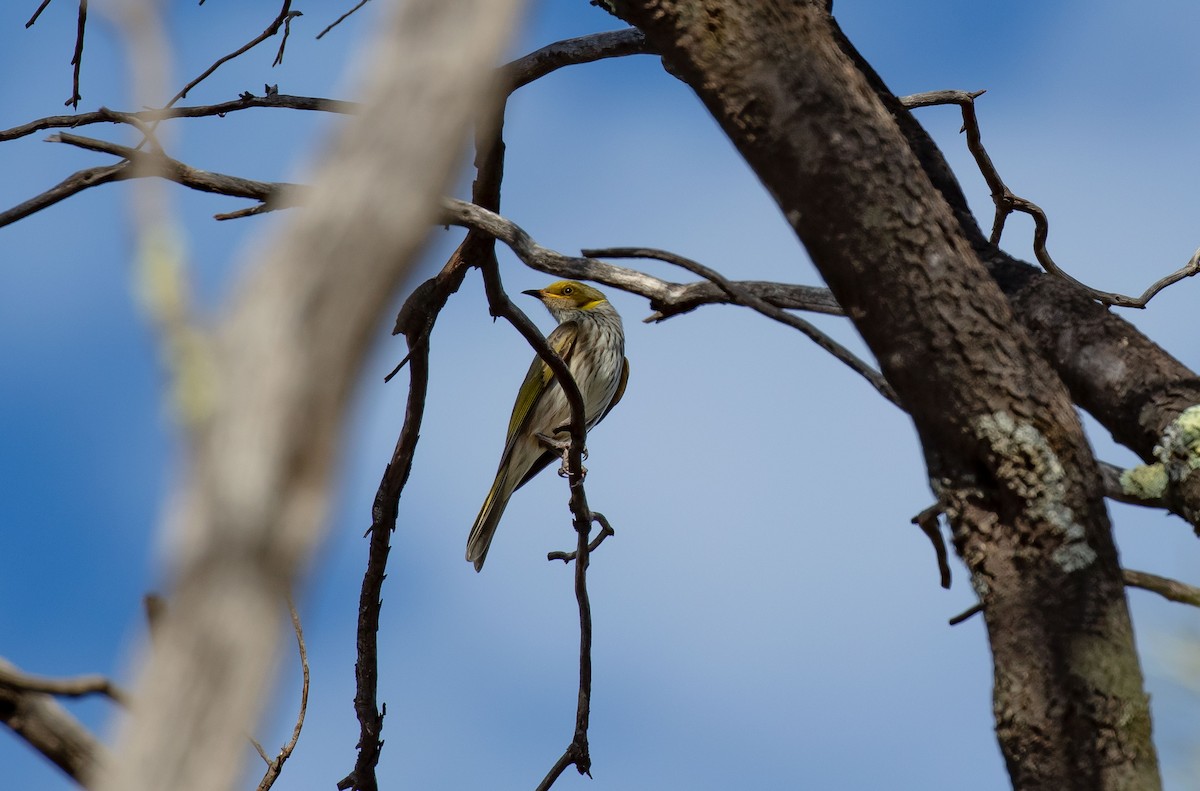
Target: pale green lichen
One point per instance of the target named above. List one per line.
(1031, 467)
(1145, 482)
(1179, 448)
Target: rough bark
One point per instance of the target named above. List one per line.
(1129, 383)
(1004, 447)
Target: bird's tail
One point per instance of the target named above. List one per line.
(485, 525)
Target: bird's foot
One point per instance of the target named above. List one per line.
(563, 448)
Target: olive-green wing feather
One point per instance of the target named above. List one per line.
(537, 382)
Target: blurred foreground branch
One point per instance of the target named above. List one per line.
(285, 358)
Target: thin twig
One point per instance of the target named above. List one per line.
(37, 14)
(739, 297)
(287, 31)
(77, 58)
(966, 614)
(276, 766)
(244, 102)
(1007, 202)
(342, 18)
(669, 299)
(284, 15)
(606, 530)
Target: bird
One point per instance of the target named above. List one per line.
(591, 341)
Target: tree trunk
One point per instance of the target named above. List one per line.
(1005, 451)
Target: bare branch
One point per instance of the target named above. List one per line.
(574, 51)
(342, 18)
(383, 523)
(276, 766)
(75, 183)
(37, 14)
(51, 730)
(927, 520)
(1170, 589)
(739, 297)
(606, 530)
(77, 58)
(669, 299)
(77, 687)
(244, 102)
(276, 194)
(1007, 202)
(966, 614)
(285, 15)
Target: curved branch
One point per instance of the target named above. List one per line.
(78, 687)
(668, 299)
(75, 183)
(274, 767)
(284, 16)
(740, 297)
(1007, 202)
(245, 102)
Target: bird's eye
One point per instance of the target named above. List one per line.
(567, 291)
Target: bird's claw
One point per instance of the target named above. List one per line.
(563, 472)
(563, 447)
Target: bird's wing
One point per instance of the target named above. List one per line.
(537, 382)
(620, 391)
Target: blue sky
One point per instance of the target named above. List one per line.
(765, 617)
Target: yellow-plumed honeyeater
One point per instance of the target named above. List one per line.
(590, 340)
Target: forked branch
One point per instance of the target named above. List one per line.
(1007, 202)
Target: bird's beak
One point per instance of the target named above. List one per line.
(534, 292)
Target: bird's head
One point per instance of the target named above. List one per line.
(568, 296)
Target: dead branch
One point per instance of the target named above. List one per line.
(1169, 589)
(245, 102)
(51, 730)
(75, 183)
(274, 767)
(78, 687)
(606, 530)
(739, 297)
(37, 14)
(667, 298)
(284, 16)
(342, 18)
(1007, 202)
(77, 58)
(927, 520)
